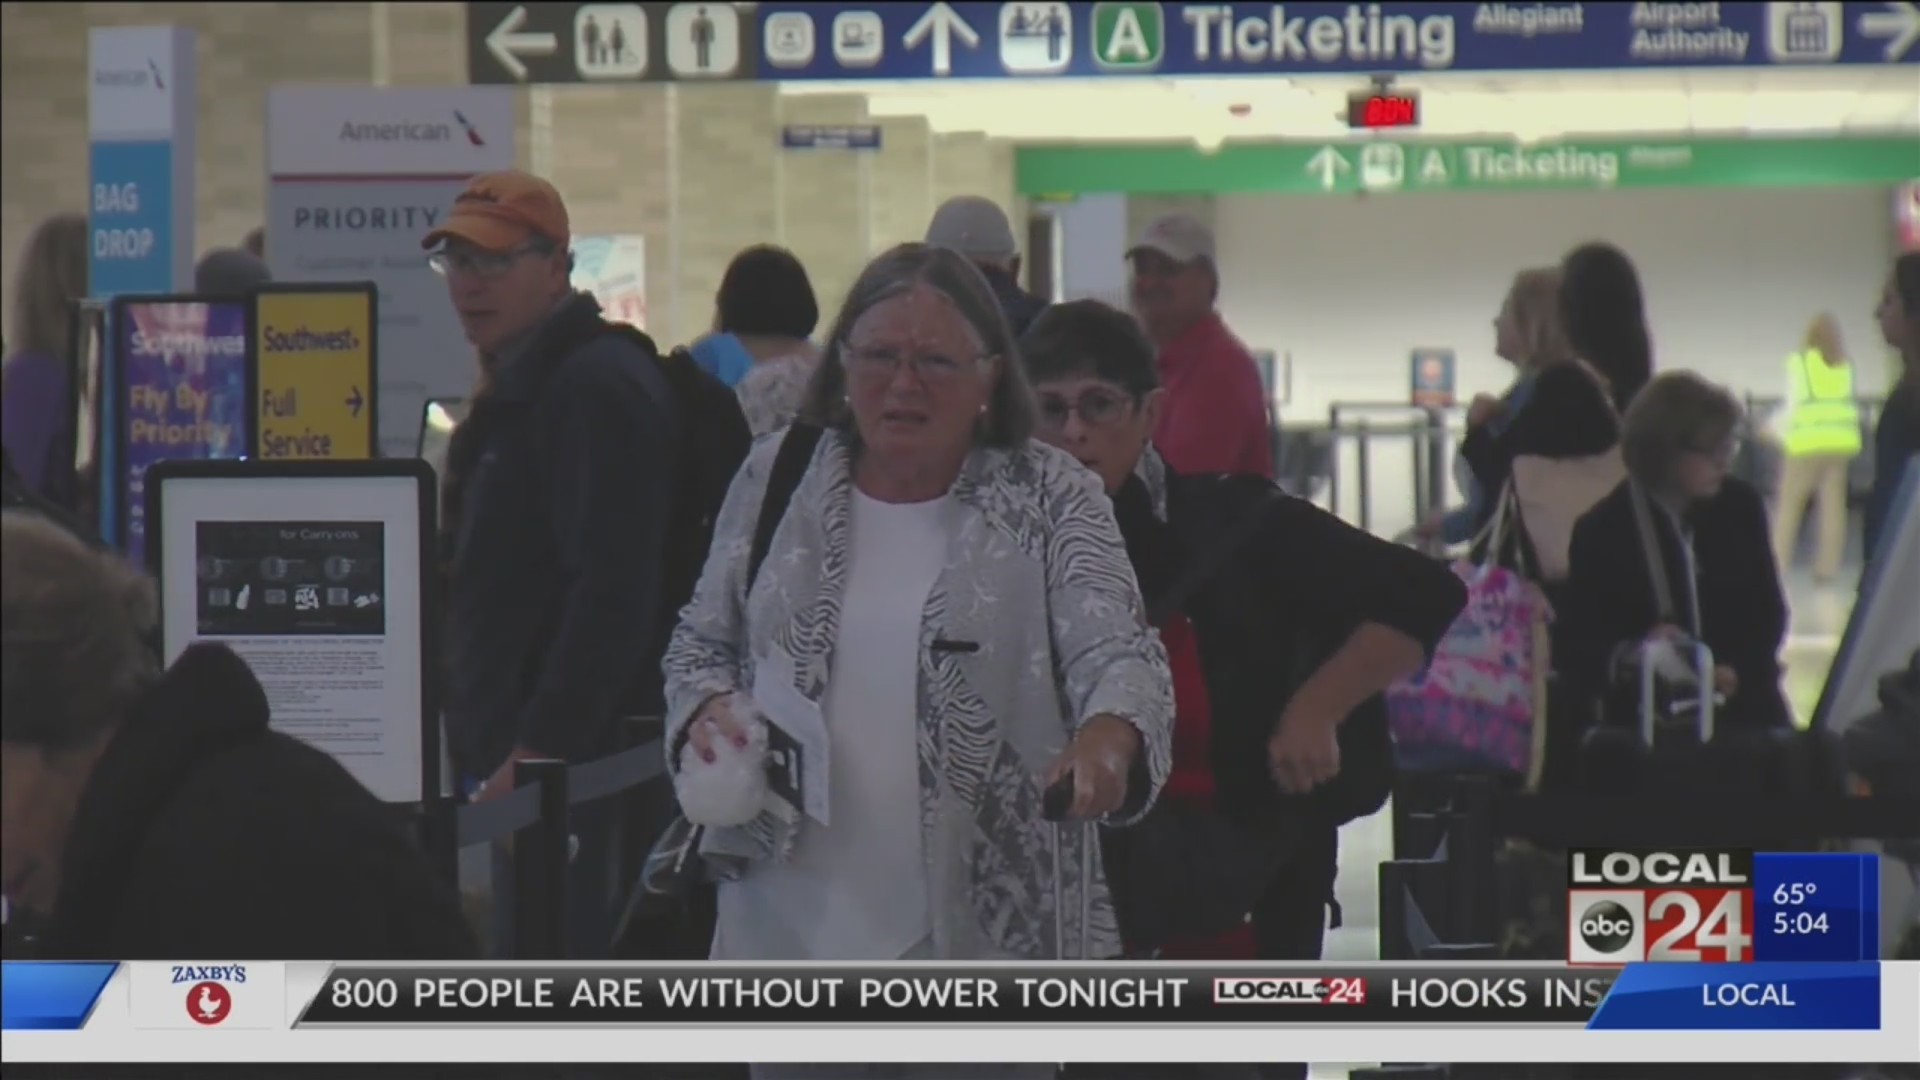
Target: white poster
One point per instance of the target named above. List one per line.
(315, 583)
(614, 270)
(356, 178)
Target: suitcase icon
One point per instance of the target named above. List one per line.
(1802, 32)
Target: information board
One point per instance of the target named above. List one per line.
(318, 575)
(182, 370)
(318, 371)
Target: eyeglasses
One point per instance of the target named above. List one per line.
(1722, 455)
(882, 365)
(480, 264)
(1097, 408)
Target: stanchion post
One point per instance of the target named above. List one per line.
(540, 866)
(1363, 439)
(1436, 460)
(1333, 460)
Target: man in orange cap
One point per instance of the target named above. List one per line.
(557, 494)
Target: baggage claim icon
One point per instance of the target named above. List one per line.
(209, 1003)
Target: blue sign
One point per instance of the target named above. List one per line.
(831, 137)
(1044, 39)
(131, 219)
(1742, 997)
(1431, 378)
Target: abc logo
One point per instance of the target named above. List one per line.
(1606, 927)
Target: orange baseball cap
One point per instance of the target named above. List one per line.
(502, 210)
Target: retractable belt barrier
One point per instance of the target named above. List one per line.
(535, 819)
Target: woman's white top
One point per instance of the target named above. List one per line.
(856, 889)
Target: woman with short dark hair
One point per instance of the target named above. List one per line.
(1715, 549)
(1279, 652)
(764, 316)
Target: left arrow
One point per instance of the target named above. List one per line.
(509, 44)
(355, 401)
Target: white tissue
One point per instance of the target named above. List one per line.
(731, 790)
(1671, 664)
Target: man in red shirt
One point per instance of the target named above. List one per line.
(1214, 418)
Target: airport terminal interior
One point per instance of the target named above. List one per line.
(1754, 199)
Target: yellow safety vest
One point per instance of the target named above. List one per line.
(1824, 419)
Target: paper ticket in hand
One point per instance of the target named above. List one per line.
(797, 743)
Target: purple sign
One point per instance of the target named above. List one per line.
(183, 377)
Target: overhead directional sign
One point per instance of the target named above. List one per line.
(570, 43)
(1046, 38)
(1419, 165)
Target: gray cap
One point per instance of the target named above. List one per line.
(974, 227)
(1180, 237)
(229, 272)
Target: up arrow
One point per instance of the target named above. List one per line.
(508, 44)
(1329, 164)
(942, 24)
(1900, 23)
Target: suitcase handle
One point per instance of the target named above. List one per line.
(1703, 706)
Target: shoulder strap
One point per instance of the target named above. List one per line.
(1213, 558)
(796, 453)
(1650, 548)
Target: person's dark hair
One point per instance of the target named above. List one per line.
(255, 242)
(1012, 413)
(229, 272)
(1606, 317)
(1906, 283)
(766, 293)
(1086, 338)
(1677, 413)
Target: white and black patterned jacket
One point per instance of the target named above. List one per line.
(1038, 578)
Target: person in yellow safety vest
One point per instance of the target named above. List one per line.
(1822, 438)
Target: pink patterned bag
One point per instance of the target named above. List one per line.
(1476, 706)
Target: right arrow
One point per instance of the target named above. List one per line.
(942, 24)
(508, 45)
(1329, 163)
(1900, 22)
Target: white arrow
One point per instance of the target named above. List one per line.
(508, 44)
(1900, 22)
(1329, 163)
(942, 24)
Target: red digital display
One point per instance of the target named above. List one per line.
(1383, 110)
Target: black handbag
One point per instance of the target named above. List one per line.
(673, 870)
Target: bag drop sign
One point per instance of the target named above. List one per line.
(317, 372)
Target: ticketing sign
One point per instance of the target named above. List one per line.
(317, 372)
(1029, 39)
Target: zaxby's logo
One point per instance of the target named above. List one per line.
(209, 1001)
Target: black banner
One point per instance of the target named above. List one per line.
(918, 995)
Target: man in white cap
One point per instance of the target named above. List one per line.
(1214, 419)
(977, 228)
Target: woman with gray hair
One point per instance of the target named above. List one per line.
(152, 815)
(948, 604)
(1715, 552)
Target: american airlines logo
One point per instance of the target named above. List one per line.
(427, 131)
(111, 78)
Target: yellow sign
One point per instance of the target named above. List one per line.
(316, 379)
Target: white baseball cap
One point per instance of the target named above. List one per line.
(1180, 237)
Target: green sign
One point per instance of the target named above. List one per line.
(1392, 166)
(1128, 37)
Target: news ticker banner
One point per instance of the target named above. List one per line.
(285, 1012)
(1721, 906)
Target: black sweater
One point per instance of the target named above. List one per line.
(1608, 600)
(1567, 416)
(201, 834)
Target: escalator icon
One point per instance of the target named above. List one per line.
(1383, 166)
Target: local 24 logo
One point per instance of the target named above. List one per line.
(1686, 906)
